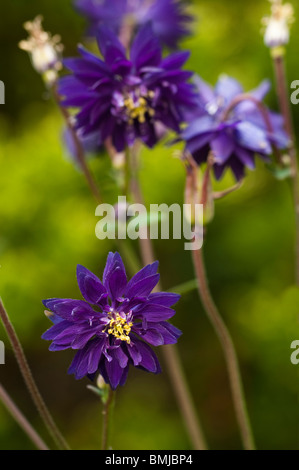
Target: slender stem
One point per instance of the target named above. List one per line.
(21, 420)
(185, 288)
(107, 419)
(228, 349)
(80, 153)
(284, 101)
(29, 380)
(171, 355)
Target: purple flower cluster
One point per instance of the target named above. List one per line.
(126, 99)
(112, 328)
(168, 18)
(234, 134)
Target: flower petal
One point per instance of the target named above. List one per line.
(90, 285)
(167, 299)
(228, 88)
(153, 312)
(114, 277)
(149, 361)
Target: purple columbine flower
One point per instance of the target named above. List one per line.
(126, 98)
(168, 18)
(112, 328)
(234, 137)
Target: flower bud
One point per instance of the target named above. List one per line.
(45, 50)
(277, 31)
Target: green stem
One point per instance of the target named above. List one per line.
(228, 350)
(185, 288)
(107, 419)
(30, 382)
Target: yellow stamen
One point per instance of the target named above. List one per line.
(138, 109)
(120, 328)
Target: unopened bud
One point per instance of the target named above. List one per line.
(277, 26)
(45, 50)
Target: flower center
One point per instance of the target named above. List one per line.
(137, 107)
(119, 328)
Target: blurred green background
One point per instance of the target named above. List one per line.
(47, 227)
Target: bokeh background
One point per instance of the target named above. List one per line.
(47, 227)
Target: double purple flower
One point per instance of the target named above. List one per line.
(234, 134)
(168, 18)
(125, 99)
(112, 328)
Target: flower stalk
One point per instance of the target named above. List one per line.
(203, 194)
(171, 355)
(107, 419)
(285, 107)
(228, 349)
(80, 153)
(21, 420)
(30, 382)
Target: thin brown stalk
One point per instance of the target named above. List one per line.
(170, 352)
(80, 153)
(21, 420)
(285, 107)
(30, 382)
(228, 350)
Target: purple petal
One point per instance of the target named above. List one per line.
(146, 49)
(90, 286)
(143, 282)
(153, 313)
(246, 157)
(121, 357)
(151, 335)
(134, 353)
(261, 91)
(109, 45)
(175, 60)
(68, 309)
(114, 277)
(228, 88)
(222, 146)
(167, 299)
(55, 330)
(252, 137)
(169, 332)
(149, 361)
(95, 355)
(114, 372)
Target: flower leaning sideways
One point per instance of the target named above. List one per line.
(112, 328)
(126, 99)
(233, 131)
(168, 18)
